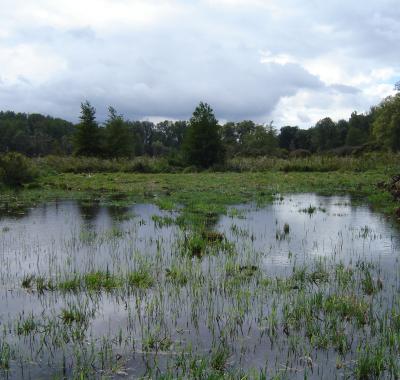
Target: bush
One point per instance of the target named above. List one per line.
(190, 169)
(51, 165)
(71, 164)
(16, 169)
(300, 153)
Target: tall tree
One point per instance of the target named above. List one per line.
(386, 125)
(202, 145)
(119, 139)
(261, 142)
(325, 135)
(287, 137)
(87, 137)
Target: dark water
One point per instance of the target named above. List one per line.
(57, 239)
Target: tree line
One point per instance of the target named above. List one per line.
(201, 141)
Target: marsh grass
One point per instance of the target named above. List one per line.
(73, 315)
(97, 281)
(314, 163)
(27, 326)
(371, 363)
(140, 279)
(177, 275)
(5, 355)
(182, 295)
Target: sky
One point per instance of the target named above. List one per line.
(290, 62)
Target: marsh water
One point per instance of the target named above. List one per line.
(189, 318)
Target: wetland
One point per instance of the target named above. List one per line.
(172, 282)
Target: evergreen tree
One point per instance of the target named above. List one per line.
(202, 145)
(119, 139)
(87, 137)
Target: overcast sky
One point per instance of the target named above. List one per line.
(287, 61)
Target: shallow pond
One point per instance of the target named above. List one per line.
(298, 288)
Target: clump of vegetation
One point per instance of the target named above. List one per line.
(43, 285)
(16, 169)
(368, 284)
(140, 279)
(156, 342)
(219, 359)
(177, 275)
(73, 315)
(371, 363)
(27, 326)
(162, 221)
(195, 245)
(5, 355)
(70, 285)
(212, 236)
(27, 281)
(97, 281)
(236, 274)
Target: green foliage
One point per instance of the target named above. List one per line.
(287, 137)
(140, 279)
(202, 144)
(73, 315)
(177, 275)
(87, 138)
(119, 139)
(34, 134)
(54, 164)
(326, 135)
(261, 142)
(371, 363)
(248, 139)
(16, 169)
(314, 163)
(386, 126)
(5, 355)
(355, 137)
(97, 281)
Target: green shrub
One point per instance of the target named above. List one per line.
(71, 164)
(190, 169)
(16, 169)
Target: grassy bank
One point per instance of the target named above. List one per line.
(205, 193)
(314, 163)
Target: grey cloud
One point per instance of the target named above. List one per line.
(206, 54)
